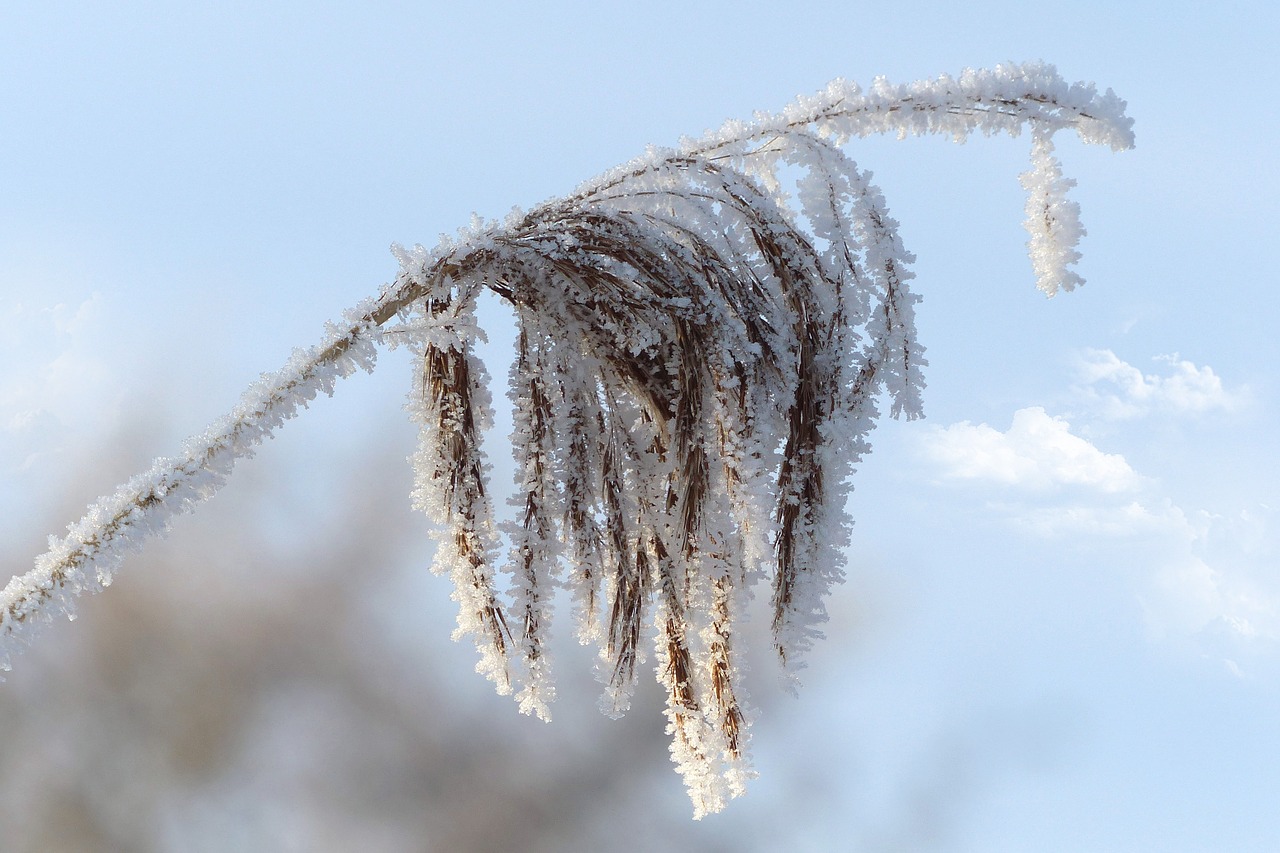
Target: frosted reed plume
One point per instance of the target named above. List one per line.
(703, 350)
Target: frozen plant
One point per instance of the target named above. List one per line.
(706, 335)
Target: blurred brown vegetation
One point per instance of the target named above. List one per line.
(276, 675)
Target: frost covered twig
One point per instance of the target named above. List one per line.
(697, 371)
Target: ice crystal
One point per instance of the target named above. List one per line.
(700, 361)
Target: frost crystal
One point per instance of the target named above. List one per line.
(1053, 221)
(698, 368)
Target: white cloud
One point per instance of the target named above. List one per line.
(1039, 452)
(1117, 390)
(1217, 592)
(1201, 579)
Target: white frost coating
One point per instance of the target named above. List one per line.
(705, 335)
(1053, 220)
(451, 404)
(535, 544)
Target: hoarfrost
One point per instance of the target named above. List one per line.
(702, 349)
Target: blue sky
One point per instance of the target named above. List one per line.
(1061, 625)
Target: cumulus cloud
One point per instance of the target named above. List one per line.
(1220, 597)
(1038, 452)
(1117, 390)
(1199, 577)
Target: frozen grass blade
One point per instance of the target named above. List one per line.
(699, 365)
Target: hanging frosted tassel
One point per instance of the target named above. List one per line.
(700, 360)
(1053, 220)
